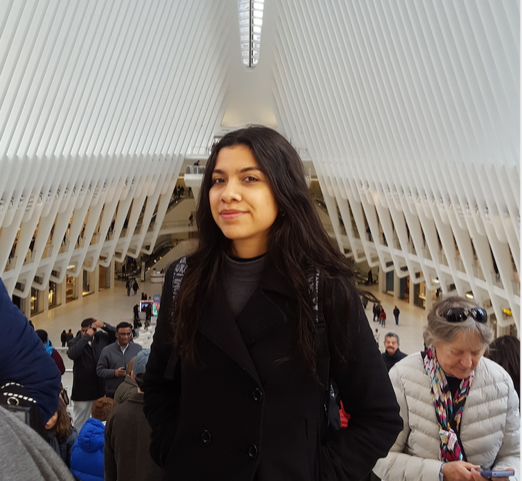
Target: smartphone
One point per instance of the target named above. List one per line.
(494, 474)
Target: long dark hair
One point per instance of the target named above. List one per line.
(505, 350)
(297, 240)
(63, 426)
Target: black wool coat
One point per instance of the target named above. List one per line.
(250, 410)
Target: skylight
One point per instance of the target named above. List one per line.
(250, 24)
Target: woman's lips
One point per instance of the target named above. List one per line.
(230, 214)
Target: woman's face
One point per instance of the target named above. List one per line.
(52, 422)
(461, 356)
(242, 203)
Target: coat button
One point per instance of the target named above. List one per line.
(257, 395)
(253, 451)
(206, 437)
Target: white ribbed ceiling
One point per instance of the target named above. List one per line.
(408, 109)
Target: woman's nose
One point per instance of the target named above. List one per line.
(466, 360)
(230, 192)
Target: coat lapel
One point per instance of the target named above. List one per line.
(219, 326)
(260, 316)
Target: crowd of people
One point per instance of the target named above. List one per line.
(85, 446)
(263, 364)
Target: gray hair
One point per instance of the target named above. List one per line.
(440, 330)
(392, 334)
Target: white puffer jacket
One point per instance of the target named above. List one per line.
(490, 425)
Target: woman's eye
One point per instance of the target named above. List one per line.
(217, 180)
(250, 179)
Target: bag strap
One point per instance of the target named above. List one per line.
(177, 278)
(315, 288)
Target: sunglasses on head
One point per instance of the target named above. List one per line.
(460, 314)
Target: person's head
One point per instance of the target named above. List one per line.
(391, 343)
(140, 366)
(505, 350)
(128, 368)
(267, 203)
(86, 325)
(102, 407)
(60, 422)
(42, 335)
(123, 333)
(458, 330)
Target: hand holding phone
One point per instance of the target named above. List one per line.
(488, 473)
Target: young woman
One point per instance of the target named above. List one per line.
(235, 385)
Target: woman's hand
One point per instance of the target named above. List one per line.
(461, 471)
(478, 477)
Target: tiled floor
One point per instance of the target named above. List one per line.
(113, 306)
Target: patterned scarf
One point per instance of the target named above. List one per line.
(447, 409)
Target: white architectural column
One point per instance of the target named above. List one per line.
(25, 306)
(429, 300)
(112, 273)
(77, 287)
(96, 278)
(396, 285)
(382, 280)
(61, 293)
(502, 330)
(43, 297)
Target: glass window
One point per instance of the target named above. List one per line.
(250, 23)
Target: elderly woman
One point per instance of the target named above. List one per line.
(460, 410)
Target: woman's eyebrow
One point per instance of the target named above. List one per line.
(242, 171)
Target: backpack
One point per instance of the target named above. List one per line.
(323, 366)
(16, 398)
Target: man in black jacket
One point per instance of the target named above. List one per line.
(392, 354)
(85, 350)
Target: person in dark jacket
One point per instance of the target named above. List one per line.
(85, 350)
(69, 336)
(392, 354)
(127, 436)
(63, 338)
(396, 313)
(24, 360)
(51, 350)
(87, 453)
(135, 286)
(238, 377)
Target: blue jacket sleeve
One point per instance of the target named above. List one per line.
(24, 360)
